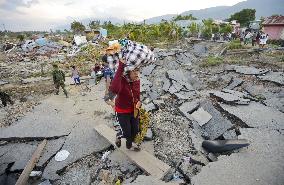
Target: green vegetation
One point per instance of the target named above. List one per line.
(95, 24)
(211, 61)
(193, 29)
(147, 34)
(185, 17)
(235, 44)
(21, 37)
(244, 16)
(77, 27)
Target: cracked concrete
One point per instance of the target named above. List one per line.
(257, 115)
(261, 163)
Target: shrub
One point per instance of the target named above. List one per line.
(235, 44)
(212, 61)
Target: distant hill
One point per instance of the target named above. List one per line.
(263, 8)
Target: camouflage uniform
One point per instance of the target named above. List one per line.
(58, 80)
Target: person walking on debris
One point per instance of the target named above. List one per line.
(263, 39)
(127, 102)
(5, 98)
(58, 79)
(248, 37)
(75, 75)
(107, 73)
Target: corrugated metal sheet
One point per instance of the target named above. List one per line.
(274, 20)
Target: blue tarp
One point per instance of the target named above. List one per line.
(103, 32)
(41, 41)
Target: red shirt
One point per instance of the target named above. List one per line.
(128, 93)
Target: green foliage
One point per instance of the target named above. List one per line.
(211, 61)
(185, 17)
(226, 28)
(207, 28)
(193, 29)
(207, 32)
(207, 22)
(235, 44)
(215, 28)
(21, 37)
(147, 34)
(244, 16)
(95, 24)
(77, 27)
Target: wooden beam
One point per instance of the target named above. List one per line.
(147, 162)
(31, 164)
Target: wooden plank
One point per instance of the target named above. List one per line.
(31, 164)
(147, 162)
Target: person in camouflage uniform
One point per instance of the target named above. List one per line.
(58, 80)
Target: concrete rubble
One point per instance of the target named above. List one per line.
(188, 104)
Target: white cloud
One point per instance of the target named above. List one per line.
(42, 14)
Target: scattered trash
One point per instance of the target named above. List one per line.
(62, 155)
(35, 174)
(105, 155)
(218, 146)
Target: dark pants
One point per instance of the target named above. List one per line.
(77, 80)
(129, 126)
(5, 98)
(58, 85)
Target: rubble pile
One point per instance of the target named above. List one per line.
(187, 109)
(234, 105)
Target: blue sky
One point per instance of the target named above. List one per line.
(18, 15)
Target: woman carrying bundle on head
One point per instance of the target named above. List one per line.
(126, 86)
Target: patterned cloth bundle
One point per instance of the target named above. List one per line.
(134, 54)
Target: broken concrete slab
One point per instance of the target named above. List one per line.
(20, 153)
(10, 179)
(159, 103)
(230, 97)
(3, 167)
(275, 77)
(185, 95)
(146, 71)
(235, 82)
(217, 125)
(51, 148)
(200, 49)
(166, 84)
(272, 97)
(150, 107)
(201, 116)
(92, 142)
(185, 59)
(256, 115)
(178, 78)
(39, 124)
(277, 103)
(189, 107)
(246, 70)
(145, 84)
(248, 166)
(153, 94)
(230, 134)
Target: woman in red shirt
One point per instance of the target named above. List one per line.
(127, 89)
